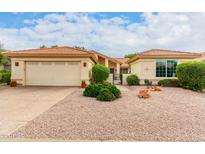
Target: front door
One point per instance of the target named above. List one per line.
(112, 71)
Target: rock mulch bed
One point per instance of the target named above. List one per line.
(174, 114)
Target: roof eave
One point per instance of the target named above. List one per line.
(176, 56)
(16, 55)
(104, 56)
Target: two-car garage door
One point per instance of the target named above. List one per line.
(53, 73)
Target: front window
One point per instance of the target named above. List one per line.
(166, 68)
(124, 71)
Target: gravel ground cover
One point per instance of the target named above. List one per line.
(174, 114)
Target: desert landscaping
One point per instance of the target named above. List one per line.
(173, 114)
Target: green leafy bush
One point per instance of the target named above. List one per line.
(147, 82)
(112, 88)
(105, 95)
(169, 83)
(91, 90)
(94, 90)
(5, 76)
(100, 73)
(133, 80)
(0, 77)
(191, 75)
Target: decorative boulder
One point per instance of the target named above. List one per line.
(157, 88)
(143, 94)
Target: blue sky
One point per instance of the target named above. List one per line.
(114, 33)
(15, 20)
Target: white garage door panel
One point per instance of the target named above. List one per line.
(53, 73)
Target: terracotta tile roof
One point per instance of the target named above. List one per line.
(122, 60)
(202, 56)
(160, 53)
(102, 55)
(164, 52)
(57, 51)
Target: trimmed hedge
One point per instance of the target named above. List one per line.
(5, 76)
(191, 75)
(100, 73)
(169, 83)
(133, 80)
(94, 90)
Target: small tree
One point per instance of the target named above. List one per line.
(100, 73)
(3, 60)
(79, 47)
(54, 46)
(43, 46)
(131, 55)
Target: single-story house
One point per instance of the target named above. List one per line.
(67, 66)
(157, 64)
(202, 57)
(61, 66)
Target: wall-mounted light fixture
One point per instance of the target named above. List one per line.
(16, 63)
(85, 64)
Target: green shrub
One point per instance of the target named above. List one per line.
(5, 76)
(105, 95)
(169, 83)
(0, 77)
(5, 71)
(191, 75)
(91, 90)
(112, 88)
(147, 82)
(133, 80)
(100, 73)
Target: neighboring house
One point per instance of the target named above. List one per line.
(202, 58)
(61, 66)
(157, 64)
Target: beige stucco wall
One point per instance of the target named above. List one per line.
(18, 73)
(110, 78)
(112, 65)
(101, 60)
(146, 69)
(124, 78)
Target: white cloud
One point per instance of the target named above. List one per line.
(114, 36)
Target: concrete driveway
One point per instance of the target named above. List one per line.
(21, 104)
